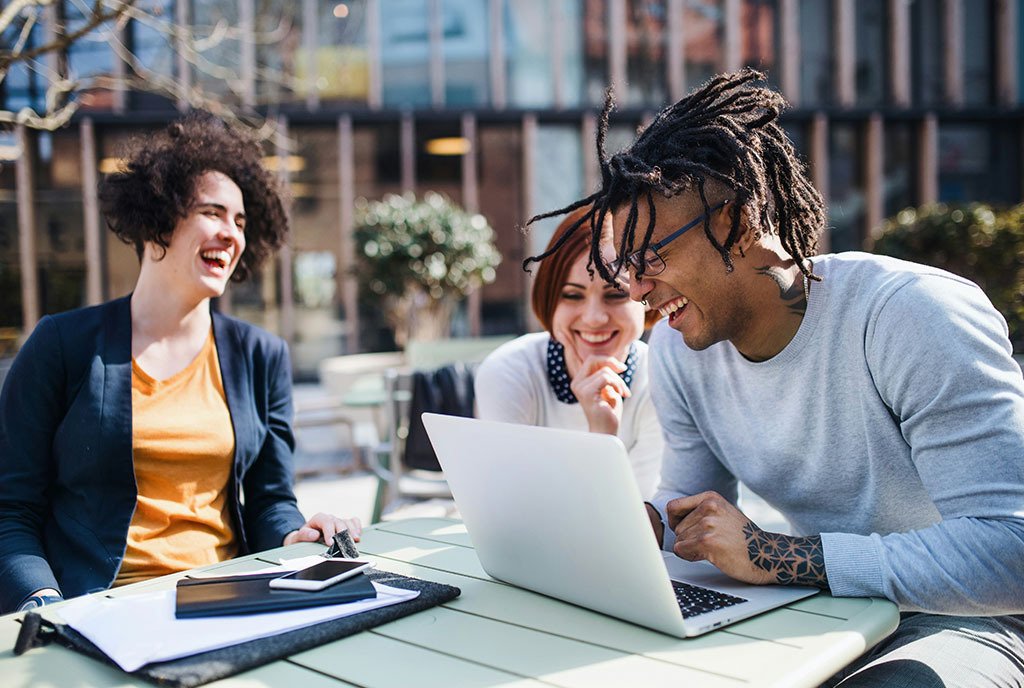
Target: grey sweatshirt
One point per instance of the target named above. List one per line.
(892, 424)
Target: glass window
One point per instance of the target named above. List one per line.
(405, 52)
(465, 28)
(60, 242)
(816, 61)
(529, 39)
(152, 42)
(979, 40)
(341, 62)
(595, 50)
(978, 162)
(870, 22)
(646, 49)
(438, 160)
(500, 160)
(278, 40)
(702, 40)
(926, 81)
(24, 86)
(378, 171)
(760, 37)
(899, 182)
(218, 65)
(316, 247)
(88, 57)
(846, 188)
(558, 177)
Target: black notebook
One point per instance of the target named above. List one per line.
(228, 595)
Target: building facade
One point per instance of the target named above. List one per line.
(494, 103)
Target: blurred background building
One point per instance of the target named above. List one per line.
(494, 103)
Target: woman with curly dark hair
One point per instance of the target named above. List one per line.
(148, 435)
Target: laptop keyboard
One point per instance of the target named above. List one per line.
(694, 600)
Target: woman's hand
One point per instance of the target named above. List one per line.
(322, 527)
(600, 391)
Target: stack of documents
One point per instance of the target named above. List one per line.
(135, 630)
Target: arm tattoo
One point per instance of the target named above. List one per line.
(792, 560)
(792, 294)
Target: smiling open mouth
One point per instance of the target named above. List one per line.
(596, 337)
(216, 259)
(673, 310)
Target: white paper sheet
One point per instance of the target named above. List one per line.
(135, 630)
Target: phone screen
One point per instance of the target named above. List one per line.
(324, 570)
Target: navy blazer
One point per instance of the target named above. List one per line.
(67, 480)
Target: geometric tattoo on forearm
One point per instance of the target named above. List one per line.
(791, 560)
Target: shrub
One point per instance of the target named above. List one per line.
(974, 241)
(421, 256)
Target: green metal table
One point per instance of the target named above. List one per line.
(495, 634)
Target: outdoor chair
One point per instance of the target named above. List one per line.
(405, 463)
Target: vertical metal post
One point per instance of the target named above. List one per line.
(928, 160)
(181, 45)
(788, 51)
(471, 201)
(899, 52)
(874, 177)
(732, 56)
(281, 150)
(26, 194)
(247, 25)
(845, 52)
(818, 154)
(499, 87)
(675, 54)
(373, 41)
(436, 32)
(347, 282)
(91, 215)
(953, 54)
(310, 40)
(1007, 42)
(407, 146)
(616, 24)
(529, 138)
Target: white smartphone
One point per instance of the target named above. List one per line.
(322, 575)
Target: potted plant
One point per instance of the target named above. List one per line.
(420, 256)
(971, 240)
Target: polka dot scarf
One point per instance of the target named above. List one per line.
(558, 374)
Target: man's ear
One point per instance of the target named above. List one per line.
(747, 236)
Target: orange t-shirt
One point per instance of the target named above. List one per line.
(183, 448)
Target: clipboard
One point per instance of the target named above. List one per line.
(198, 669)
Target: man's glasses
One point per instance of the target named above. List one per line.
(650, 262)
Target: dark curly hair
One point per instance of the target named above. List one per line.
(723, 138)
(156, 189)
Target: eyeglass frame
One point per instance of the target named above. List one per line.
(634, 258)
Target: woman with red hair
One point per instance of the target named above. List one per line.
(587, 370)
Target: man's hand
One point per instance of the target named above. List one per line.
(600, 391)
(323, 527)
(708, 527)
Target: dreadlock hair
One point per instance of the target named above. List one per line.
(724, 137)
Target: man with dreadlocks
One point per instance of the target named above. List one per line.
(874, 402)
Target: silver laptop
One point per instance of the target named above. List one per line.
(559, 512)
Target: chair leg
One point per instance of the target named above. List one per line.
(379, 501)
